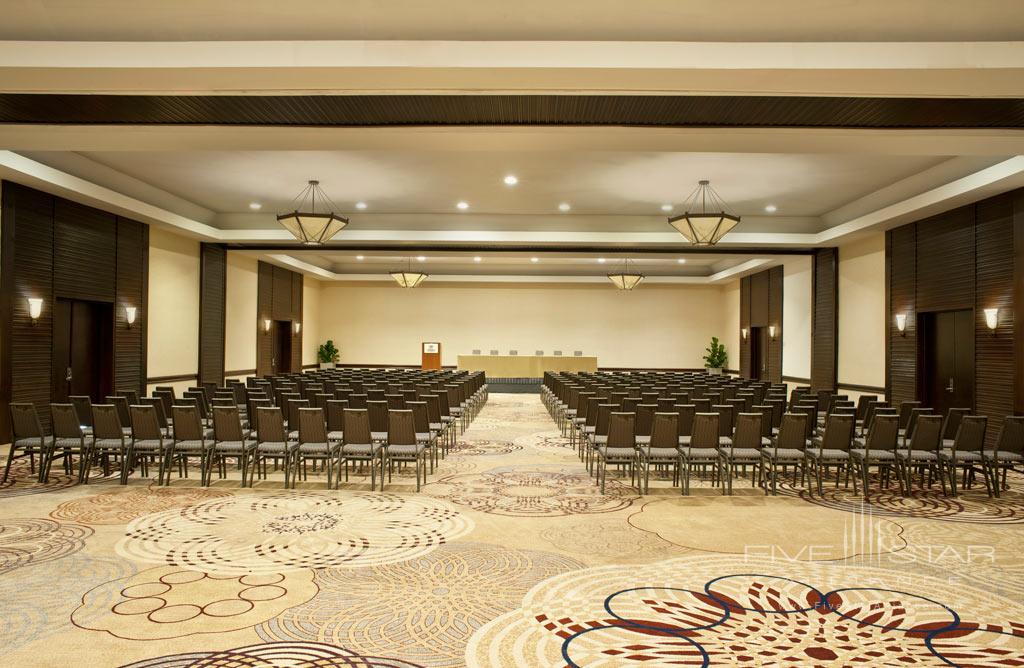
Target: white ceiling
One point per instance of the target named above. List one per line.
(665, 20)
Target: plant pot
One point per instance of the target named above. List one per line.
(714, 370)
(326, 365)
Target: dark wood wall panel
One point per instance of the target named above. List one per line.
(775, 300)
(825, 318)
(760, 287)
(945, 267)
(132, 286)
(84, 252)
(901, 257)
(968, 258)
(296, 317)
(27, 272)
(993, 375)
(213, 267)
(745, 370)
(264, 311)
(53, 248)
(281, 299)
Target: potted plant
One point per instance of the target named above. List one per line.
(327, 355)
(716, 357)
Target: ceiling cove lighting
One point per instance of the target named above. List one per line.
(255, 206)
(626, 279)
(511, 180)
(478, 259)
(666, 207)
(534, 259)
(408, 278)
(360, 205)
(462, 206)
(700, 225)
(564, 206)
(771, 208)
(307, 225)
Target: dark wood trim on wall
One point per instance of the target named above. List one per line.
(796, 379)
(867, 389)
(179, 378)
(213, 266)
(278, 298)
(391, 110)
(761, 300)
(240, 372)
(824, 318)
(53, 248)
(967, 258)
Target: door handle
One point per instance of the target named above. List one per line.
(67, 375)
(949, 388)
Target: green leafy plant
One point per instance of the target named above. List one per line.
(327, 352)
(716, 357)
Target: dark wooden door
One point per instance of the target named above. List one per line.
(281, 347)
(83, 350)
(948, 359)
(758, 353)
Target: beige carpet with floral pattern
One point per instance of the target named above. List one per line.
(509, 556)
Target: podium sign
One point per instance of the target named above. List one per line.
(431, 356)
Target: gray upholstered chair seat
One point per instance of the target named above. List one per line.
(379, 435)
(233, 446)
(424, 436)
(189, 445)
(1003, 456)
(274, 447)
(590, 430)
(826, 453)
(335, 435)
(150, 444)
(859, 453)
(436, 426)
(405, 450)
(108, 443)
(918, 455)
(684, 440)
(616, 453)
(643, 440)
(34, 442)
(783, 453)
(315, 448)
(360, 449)
(742, 453)
(68, 443)
(968, 456)
(660, 454)
(700, 453)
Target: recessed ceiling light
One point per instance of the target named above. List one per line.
(771, 208)
(360, 257)
(511, 180)
(534, 259)
(360, 205)
(462, 206)
(421, 258)
(478, 259)
(564, 206)
(255, 206)
(600, 260)
(666, 207)
(681, 260)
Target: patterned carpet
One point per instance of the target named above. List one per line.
(510, 556)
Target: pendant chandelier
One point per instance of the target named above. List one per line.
(408, 278)
(308, 225)
(704, 227)
(626, 279)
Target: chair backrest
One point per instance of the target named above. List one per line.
(378, 411)
(915, 413)
(629, 404)
(227, 424)
(665, 430)
(357, 426)
(705, 430)
(905, 410)
(320, 399)
(294, 406)
(838, 431)
(395, 401)
(726, 419)
(953, 419)
(357, 400)
(188, 424)
(145, 426)
(336, 414)
(401, 427)
(862, 404)
(686, 413)
(644, 418)
(604, 412)
(812, 417)
(592, 407)
(766, 419)
(83, 406)
(884, 433)
(312, 427)
(970, 436)
(25, 421)
(1011, 435)
(270, 425)
(621, 430)
(793, 431)
(420, 417)
(666, 404)
(65, 421)
(748, 431)
(106, 423)
(927, 433)
(702, 405)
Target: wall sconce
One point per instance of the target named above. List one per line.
(771, 332)
(992, 319)
(743, 333)
(266, 326)
(298, 327)
(901, 323)
(35, 308)
(129, 315)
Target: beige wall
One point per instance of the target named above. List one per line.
(862, 319)
(173, 336)
(240, 315)
(310, 319)
(652, 326)
(730, 335)
(796, 317)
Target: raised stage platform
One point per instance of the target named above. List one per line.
(524, 366)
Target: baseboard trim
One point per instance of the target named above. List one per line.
(172, 379)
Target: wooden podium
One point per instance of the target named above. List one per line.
(431, 360)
